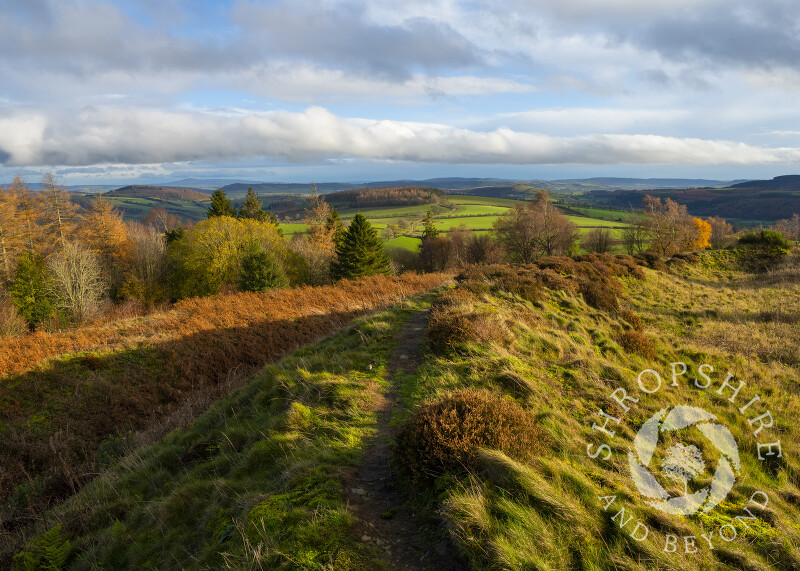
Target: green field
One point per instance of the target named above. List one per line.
(134, 209)
(406, 242)
(605, 214)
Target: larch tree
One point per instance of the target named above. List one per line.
(30, 209)
(360, 252)
(60, 212)
(10, 233)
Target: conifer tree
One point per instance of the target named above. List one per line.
(29, 292)
(429, 231)
(221, 205)
(360, 252)
(260, 272)
(251, 207)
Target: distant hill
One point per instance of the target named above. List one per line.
(787, 182)
(158, 193)
(744, 204)
(645, 183)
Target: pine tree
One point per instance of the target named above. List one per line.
(29, 292)
(430, 230)
(251, 208)
(360, 252)
(221, 205)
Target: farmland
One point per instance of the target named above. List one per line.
(476, 213)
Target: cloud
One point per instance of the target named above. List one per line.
(110, 135)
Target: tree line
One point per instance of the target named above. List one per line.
(62, 264)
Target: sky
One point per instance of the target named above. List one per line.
(100, 92)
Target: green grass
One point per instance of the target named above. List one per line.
(136, 209)
(253, 482)
(406, 242)
(605, 214)
(546, 513)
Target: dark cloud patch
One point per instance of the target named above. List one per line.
(5, 156)
(755, 34)
(343, 36)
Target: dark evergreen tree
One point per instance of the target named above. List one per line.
(221, 205)
(29, 291)
(429, 231)
(335, 227)
(251, 207)
(176, 234)
(360, 252)
(260, 272)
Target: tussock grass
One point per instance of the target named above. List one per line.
(565, 359)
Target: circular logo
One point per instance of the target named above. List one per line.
(664, 441)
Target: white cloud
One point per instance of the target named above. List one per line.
(110, 135)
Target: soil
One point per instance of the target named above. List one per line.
(371, 489)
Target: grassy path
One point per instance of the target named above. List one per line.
(371, 489)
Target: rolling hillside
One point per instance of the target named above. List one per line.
(157, 193)
(488, 397)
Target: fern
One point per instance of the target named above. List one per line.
(49, 551)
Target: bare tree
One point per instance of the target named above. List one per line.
(598, 240)
(146, 278)
(790, 228)
(535, 229)
(78, 283)
(634, 238)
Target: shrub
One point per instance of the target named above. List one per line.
(766, 238)
(632, 319)
(446, 434)
(600, 294)
(448, 329)
(635, 342)
(10, 321)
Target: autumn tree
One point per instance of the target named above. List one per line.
(60, 213)
(318, 245)
(162, 220)
(698, 238)
(721, 233)
(147, 270)
(10, 233)
(790, 227)
(360, 252)
(30, 210)
(221, 205)
(210, 254)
